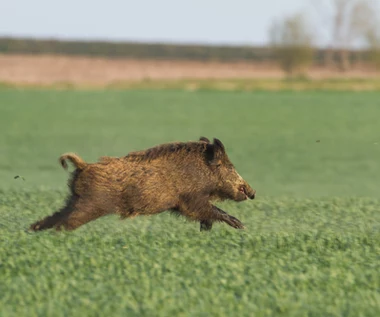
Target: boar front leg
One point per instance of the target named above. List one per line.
(230, 220)
(206, 225)
(206, 213)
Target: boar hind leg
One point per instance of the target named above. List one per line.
(76, 213)
(82, 213)
(56, 219)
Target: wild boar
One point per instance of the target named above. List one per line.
(181, 177)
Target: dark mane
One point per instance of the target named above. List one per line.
(165, 150)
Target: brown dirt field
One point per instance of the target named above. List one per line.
(48, 69)
(55, 69)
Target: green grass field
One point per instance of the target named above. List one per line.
(312, 241)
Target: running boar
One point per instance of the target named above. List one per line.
(179, 177)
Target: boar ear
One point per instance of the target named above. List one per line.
(218, 146)
(204, 139)
(215, 153)
(213, 157)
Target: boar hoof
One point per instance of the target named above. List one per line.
(235, 223)
(206, 225)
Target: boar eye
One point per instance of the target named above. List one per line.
(216, 163)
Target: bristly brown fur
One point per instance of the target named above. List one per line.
(181, 177)
(165, 150)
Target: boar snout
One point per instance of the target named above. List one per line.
(251, 193)
(248, 192)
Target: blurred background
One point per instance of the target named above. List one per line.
(119, 42)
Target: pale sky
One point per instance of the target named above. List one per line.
(191, 21)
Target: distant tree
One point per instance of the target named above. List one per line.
(347, 23)
(373, 38)
(291, 42)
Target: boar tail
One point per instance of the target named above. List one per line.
(73, 158)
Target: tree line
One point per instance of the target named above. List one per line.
(157, 51)
(133, 50)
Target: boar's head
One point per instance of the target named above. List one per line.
(230, 185)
